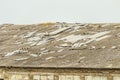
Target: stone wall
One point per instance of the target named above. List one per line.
(58, 74)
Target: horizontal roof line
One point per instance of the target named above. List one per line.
(88, 68)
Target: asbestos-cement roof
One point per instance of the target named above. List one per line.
(60, 45)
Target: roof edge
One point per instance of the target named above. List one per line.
(88, 68)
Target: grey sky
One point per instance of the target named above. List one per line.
(36, 11)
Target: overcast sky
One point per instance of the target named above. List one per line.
(36, 11)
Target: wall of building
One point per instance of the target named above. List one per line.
(58, 74)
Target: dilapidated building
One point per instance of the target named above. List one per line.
(60, 51)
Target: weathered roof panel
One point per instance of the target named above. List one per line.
(60, 45)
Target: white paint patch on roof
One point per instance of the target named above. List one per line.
(42, 34)
(64, 45)
(60, 50)
(95, 37)
(59, 30)
(15, 52)
(20, 59)
(34, 55)
(114, 47)
(32, 43)
(29, 34)
(73, 38)
(103, 47)
(17, 42)
(62, 56)
(52, 51)
(93, 47)
(77, 28)
(99, 34)
(82, 58)
(9, 54)
(4, 31)
(34, 39)
(42, 48)
(80, 44)
(109, 65)
(49, 58)
(41, 42)
(45, 51)
(104, 37)
(118, 35)
(15, 36)
(37, 39)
